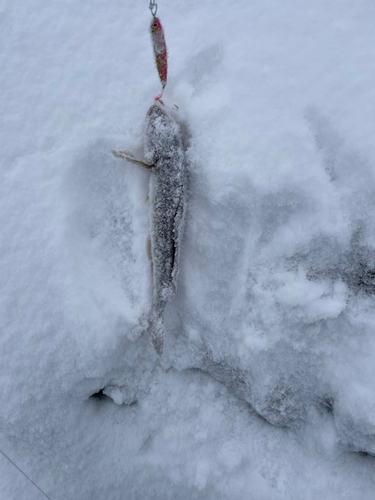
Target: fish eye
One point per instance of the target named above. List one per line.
(155, 26)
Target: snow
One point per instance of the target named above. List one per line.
(265, 389)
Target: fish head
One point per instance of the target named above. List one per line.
(155, 123)
(156, 111)
(161, 131)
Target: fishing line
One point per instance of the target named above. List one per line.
(31, 481)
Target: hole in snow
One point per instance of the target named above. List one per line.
(114, 395)
(100, 396)
(363, 453)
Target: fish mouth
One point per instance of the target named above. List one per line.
(156, 110)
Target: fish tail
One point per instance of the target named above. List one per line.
(156, 332)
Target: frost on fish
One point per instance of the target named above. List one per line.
(164, 149)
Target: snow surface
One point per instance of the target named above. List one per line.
(266, 386)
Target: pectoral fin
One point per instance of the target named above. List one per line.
(126, 155)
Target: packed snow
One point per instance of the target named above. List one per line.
(265, 389)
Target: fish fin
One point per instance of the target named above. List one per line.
(156, 332)
(126, 155)
(117, 154)
(125, 152)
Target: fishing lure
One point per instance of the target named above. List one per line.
(160, 51)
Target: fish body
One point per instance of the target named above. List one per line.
(163, 149)
(164, 157)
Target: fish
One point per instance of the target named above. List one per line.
(165, 159)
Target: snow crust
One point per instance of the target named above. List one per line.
(265, 389)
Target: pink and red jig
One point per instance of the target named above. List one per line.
(160, 51)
